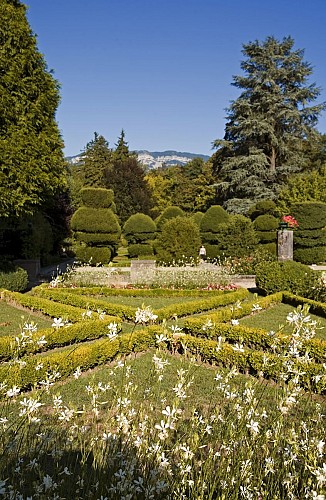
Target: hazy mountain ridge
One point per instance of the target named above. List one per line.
(154, 159)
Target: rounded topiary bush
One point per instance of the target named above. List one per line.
(212, 218)
(95, 220)
(263, 207)
(288, 276)
(97, 197)
(197, 217)
(178, 242)
(139, 228)
(167, 214)
(14, 279)
(140, 250)
(266, 229)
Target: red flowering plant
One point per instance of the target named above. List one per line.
(291, 222)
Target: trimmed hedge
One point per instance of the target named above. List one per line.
(57, 337)
(95, 220)
(15, 280)
(43, 305)
(128, 312)
(138, 250)
(97, 197)
(288, 276)
(254, 362)
(68, 359)
(61, 295)
(139, 228)
(141, 292)
(93, 255)
(257, 338)
(195, 325)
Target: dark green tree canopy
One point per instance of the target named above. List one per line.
(269, 124)
(96, 161)
(32, 166)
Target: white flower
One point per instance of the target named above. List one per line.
(145, 315)
(253, 427)
(30, 327)
(78, 372)
(39, 366)
(238, 347)
(255, 307)
(13, 391)
(234, 322)
(58, 323)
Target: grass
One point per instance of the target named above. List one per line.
(274, 317)
(12, 319)
(153, 302)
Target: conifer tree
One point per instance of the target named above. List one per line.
(268, 125)
(96, 161)
(32, 166)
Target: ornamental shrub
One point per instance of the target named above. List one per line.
(212, 218)
(294, 277)
(139, 249)
(197, 217)
(96, 229)
(169, 213)
(310, 237)
(93, 255)
(178, 242)
(97, 197)
(263, 207)
(266, 231)
(237, 237)
(14, 279)
(139, 228)
(209, 228)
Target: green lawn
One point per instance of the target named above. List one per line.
(272, 318)
(153, 302)
(12, 319)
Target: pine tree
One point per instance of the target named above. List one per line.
(267, 125)
(96, 161)
(122, 150)
(32, 166)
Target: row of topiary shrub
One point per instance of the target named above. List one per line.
(66, 360)
(128, 313)
(47, 306)
(254, 362)
(76, 333)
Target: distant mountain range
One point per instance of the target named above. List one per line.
(155, 159)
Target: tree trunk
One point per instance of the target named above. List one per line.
(273, 161)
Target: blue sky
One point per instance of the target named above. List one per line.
(162, 69)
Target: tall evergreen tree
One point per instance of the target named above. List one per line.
(122, 150)
(96, 161)
(132, 194)
(267, 126)
(32, 166)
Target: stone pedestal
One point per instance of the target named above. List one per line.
(284, 245)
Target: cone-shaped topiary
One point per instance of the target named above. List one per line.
(96, 227)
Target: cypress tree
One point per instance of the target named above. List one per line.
(32, 166)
